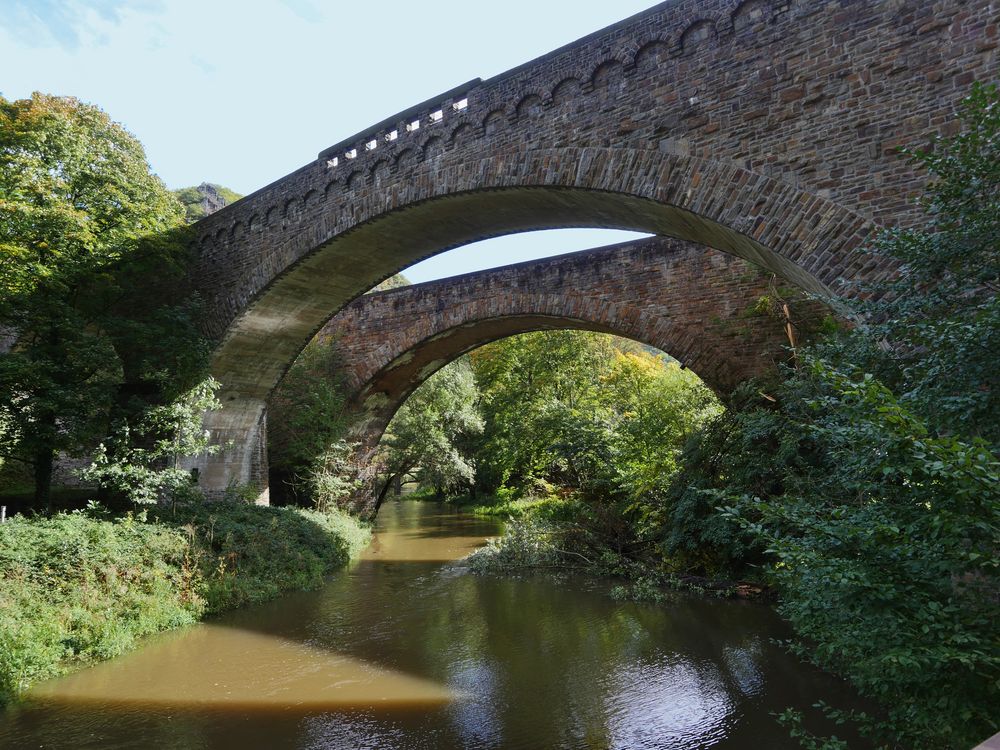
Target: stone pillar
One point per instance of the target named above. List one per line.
(240, 428)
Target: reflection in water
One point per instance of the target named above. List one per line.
(672, 704)
(406, 650)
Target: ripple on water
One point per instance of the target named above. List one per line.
(667, 704)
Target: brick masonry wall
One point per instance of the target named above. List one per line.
(819, 95)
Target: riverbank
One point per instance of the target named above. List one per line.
(546, 533)
(81, 587)
(403, 650)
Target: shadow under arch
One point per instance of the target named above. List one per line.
(271, 309)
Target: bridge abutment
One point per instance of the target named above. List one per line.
(238, 468)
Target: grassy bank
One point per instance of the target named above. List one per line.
(505, 507)
(564, 533)
(85, 586)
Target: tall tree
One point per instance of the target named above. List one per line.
(78, 203)
(425, 436)
(583, 410)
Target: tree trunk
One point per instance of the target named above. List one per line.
(44, 459)
(380, 498)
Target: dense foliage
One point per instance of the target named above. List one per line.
(85, 586)
(103, 359)
(85, 229)
(879, 505)
(426, 437)
(595, 421)
(886, 558)
(583, 411)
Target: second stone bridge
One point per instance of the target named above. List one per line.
(700, 306)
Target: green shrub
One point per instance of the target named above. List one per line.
(75, 588)
(885, 557)
(249, 553)
(84, 586)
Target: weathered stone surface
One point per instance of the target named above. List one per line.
(768, 129)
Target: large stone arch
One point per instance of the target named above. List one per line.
(762, 129)
(805, 240)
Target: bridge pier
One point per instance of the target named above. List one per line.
(240, 464)
(365, 434)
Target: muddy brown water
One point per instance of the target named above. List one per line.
(406, 649)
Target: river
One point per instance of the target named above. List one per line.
(406, 649)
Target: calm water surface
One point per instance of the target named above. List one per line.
(407, 650)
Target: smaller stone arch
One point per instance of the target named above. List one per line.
(529, 107)
(694, 303)
(329, 189)
(309, 198)
(698, 34)
(254, 223)
(220, 235)
(236, 231)
(270, 216)
(494, 121)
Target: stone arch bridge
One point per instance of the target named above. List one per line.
(700, 305)
(766, 129)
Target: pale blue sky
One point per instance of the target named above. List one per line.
(241, 92)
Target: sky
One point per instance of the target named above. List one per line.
(242, 92)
